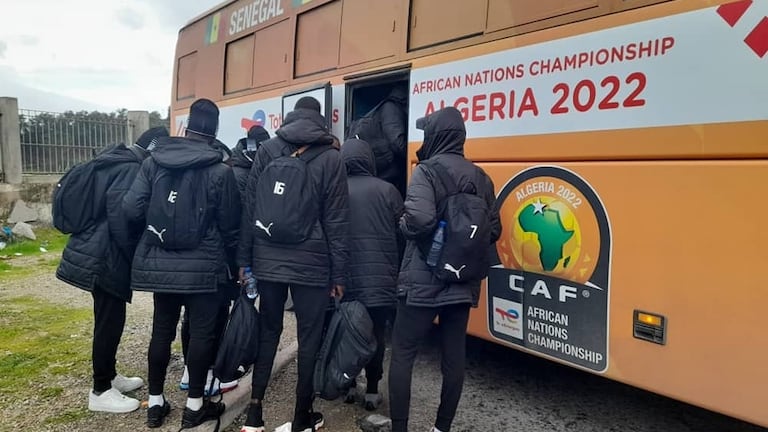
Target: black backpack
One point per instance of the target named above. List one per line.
(239, 343)
(368, 128)
(74, 207)
(73, 204)
(287, 203)
(349, 345)
(467, 234)
(177, 216)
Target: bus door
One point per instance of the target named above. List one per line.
(321, 92)
(365, 91)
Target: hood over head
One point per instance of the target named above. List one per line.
(146, 139)
(115, 154)
(178, 152)
(358, 157)
(399, 93)
(305, 127)
(444, 132)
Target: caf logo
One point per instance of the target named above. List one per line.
(553, 264)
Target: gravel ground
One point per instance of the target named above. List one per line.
(504, 389)
(131, 360)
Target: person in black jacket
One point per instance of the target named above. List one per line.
(394, 121)
(189, 276)
(242, 157)
(99, 260)
(313, 269)
(422, 296)
(375, 207)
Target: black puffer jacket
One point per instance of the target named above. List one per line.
(444, 136)
(204, 268)
(375, 207)
(323, 258)
(100, 257)
(241, 166)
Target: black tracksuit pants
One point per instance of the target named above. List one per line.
(412, 326)
(202, 338)
(108, 325)
(310, 304)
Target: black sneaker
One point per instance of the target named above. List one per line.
(317, 419)
(156, 415)
(254, 419)
(209, 411)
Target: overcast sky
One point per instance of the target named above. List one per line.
(91, 54)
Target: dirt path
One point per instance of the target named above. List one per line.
(71, 404)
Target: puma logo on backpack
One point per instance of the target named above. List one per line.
(154, 231)
(287, 206)
(266, 229)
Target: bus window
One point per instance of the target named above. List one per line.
(185, 76)
(317, 39)
(271, 58)
(238, 67)
(320, 92)
(504, 14)
(438, 21)
(378, 21)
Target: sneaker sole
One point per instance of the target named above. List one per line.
(97, 408)
(129, 389)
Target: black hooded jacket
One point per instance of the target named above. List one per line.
(394, 121)
(100, 257)
(204, 268)
(375, 207)
(322, 259)
(444, 136)
(241, 166)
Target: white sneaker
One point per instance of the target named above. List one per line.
(125, 384)
(112, 401)
(227, 386)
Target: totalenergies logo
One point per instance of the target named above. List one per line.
(508, 314)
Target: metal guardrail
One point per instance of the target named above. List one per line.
(51, 143)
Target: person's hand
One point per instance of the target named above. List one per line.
(337, 291)
(241, 276)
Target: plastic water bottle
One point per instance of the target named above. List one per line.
(437, 245)
(250, 284)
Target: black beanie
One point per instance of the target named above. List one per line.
(152, 134)
(203, 118)
(258, 133)
(307, 102)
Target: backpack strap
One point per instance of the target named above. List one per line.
(443, 177)
(308, 152)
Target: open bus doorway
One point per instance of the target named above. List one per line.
(366, 93)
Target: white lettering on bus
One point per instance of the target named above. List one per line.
(547, 329)
(540, 288)
(251, 15)
(534, 188)
(548, 315)
(565, 348)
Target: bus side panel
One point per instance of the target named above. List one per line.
(688, 241)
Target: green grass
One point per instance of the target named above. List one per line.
(39, 339)
(68, 416)
(49, 238)
(14, 267)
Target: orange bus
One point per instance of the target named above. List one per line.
(621, 136)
